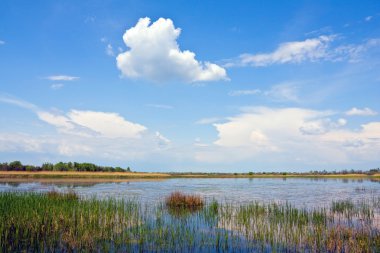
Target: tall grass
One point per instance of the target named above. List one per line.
(35, 222)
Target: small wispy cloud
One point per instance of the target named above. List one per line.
(61, 78)
(368, 18)
(160, 106)
(289, 52)
(207, 121)
(90, 19)
(283, 92)
(5, 98)
(2, 42)
(56, 86)
(354, 52)
(312, 50)
(243, 92)
(109, 50)
(361, 112)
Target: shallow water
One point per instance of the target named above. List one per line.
(153, 227)
(301, 192)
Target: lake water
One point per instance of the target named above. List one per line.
(301, 192)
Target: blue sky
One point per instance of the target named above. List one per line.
(191, 85)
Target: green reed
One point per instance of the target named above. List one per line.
(35, 222)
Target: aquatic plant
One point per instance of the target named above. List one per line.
(35, 222)
(180, 200)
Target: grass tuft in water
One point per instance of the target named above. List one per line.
(178, 200)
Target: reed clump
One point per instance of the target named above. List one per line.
(70, 196)
(178, 200)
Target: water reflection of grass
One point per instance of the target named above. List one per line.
(64, 222)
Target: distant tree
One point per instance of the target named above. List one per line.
(60, 167)
(4, 167)
(16, 165)
(30, 168)
(119, 169)
(70, 166)
(47, 166)
(373, 171)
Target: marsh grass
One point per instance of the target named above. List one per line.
(178, 201)
(64, 222)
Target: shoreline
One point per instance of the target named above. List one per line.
(151, 175)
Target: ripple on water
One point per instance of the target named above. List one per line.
(300, 192)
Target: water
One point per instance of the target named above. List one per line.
(301, 192)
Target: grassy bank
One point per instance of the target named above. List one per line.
(64, 222)
(80, 174)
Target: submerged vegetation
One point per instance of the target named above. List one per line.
(65, 222)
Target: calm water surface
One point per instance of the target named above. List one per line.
(299, 192)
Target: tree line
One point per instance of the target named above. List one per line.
(60, 166)
(322, 172)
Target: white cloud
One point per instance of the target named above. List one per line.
(154, 54)
(62, 78)
(91, 123)
(321, 126)
(264, 122)
(93, 134)
(361, 112)
(12, 142)
(244, 92)
(280, 136)
(162, 139)
(57, 86)
(59, 121)
(109, 50)
(2, 42)
(368, 18)
(291, 52)
(110, 125)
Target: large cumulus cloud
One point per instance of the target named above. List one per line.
(154, 54)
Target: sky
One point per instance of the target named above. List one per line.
(202, 86)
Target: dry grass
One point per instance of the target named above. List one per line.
(178, 200)
(135, 175)
(79, 174)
